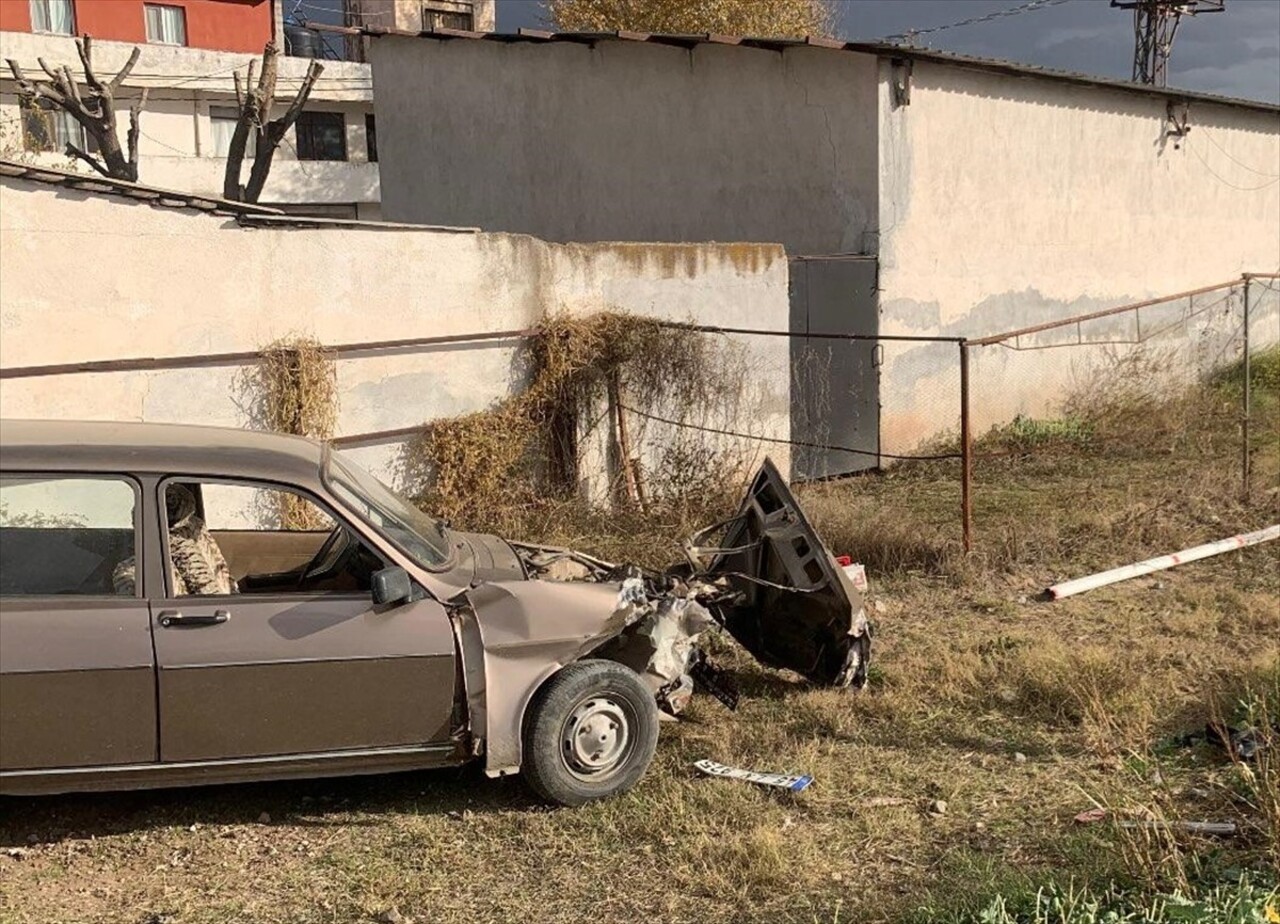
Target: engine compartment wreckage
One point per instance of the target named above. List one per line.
(763, 575)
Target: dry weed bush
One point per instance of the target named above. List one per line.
(294, 390)
(514, 468)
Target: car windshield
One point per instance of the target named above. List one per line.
(421, 537)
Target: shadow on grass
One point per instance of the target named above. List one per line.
(339, 801)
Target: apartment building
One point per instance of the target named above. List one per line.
(327, 165)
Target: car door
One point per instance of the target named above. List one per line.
(77, 675)
(266, 663)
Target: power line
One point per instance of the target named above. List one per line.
(1028, 7)
(1224, 181)
(353, 13)
(803, 444)
(1227, 155)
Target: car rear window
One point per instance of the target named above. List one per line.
(67, 535)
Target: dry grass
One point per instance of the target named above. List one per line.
(1018, 714)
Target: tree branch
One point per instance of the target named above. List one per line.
(30, 90)
(135, 129)
(67, 84)
(126, 70)
(84, 48)
(74, 151)
(267, 83)
(53, 75)
(314, 70)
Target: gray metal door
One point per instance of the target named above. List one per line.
(835, 384)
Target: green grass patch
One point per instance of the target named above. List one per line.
(1246, 901)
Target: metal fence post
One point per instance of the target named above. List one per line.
(966, 451)
(1244, 423)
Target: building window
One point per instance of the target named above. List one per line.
(371, 137)
(321, 136)
(224, 119)
(46, 128)
(442, 14)
(56, 16)
(166, 25)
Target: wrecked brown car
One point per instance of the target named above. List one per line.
(184, 605)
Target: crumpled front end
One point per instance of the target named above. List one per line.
(767, 579)
(659, 641)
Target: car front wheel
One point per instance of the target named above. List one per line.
(590, 733)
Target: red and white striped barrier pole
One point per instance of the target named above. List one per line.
(1115, 575)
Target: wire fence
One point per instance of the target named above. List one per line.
(1152, 402)
(973, 427)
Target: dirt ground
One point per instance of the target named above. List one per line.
(991, 720)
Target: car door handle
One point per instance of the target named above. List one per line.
(173, 618)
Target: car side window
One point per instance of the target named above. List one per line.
(227, 538)
(67, 535)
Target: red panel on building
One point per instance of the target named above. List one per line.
(15, 16)
(218, 25)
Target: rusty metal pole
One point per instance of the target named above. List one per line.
(966, 452)
(1244, 423)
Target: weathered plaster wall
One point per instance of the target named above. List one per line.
(629, 141)
(162, 282)
(1006, 203)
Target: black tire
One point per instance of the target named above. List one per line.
(590, 733)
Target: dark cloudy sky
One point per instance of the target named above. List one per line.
(1235, 52)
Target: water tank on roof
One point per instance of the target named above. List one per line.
(301, 42)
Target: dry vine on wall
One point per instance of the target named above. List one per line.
(489, 469)
(294, 389)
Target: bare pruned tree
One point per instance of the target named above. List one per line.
(95, 110)
(255, 116)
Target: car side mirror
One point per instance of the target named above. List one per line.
(391, 585)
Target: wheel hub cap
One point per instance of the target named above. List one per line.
(595, 737)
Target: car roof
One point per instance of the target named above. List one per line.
(125, 446)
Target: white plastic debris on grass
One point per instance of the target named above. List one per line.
(790, 782)
(857, 573)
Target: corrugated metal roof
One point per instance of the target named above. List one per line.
(154, 195)
(880, 49)
(245, 213)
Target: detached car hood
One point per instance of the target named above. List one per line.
(793, 606)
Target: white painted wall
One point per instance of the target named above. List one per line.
(175, 149)
(163, 282)
(1005, 204)
(629, 141)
